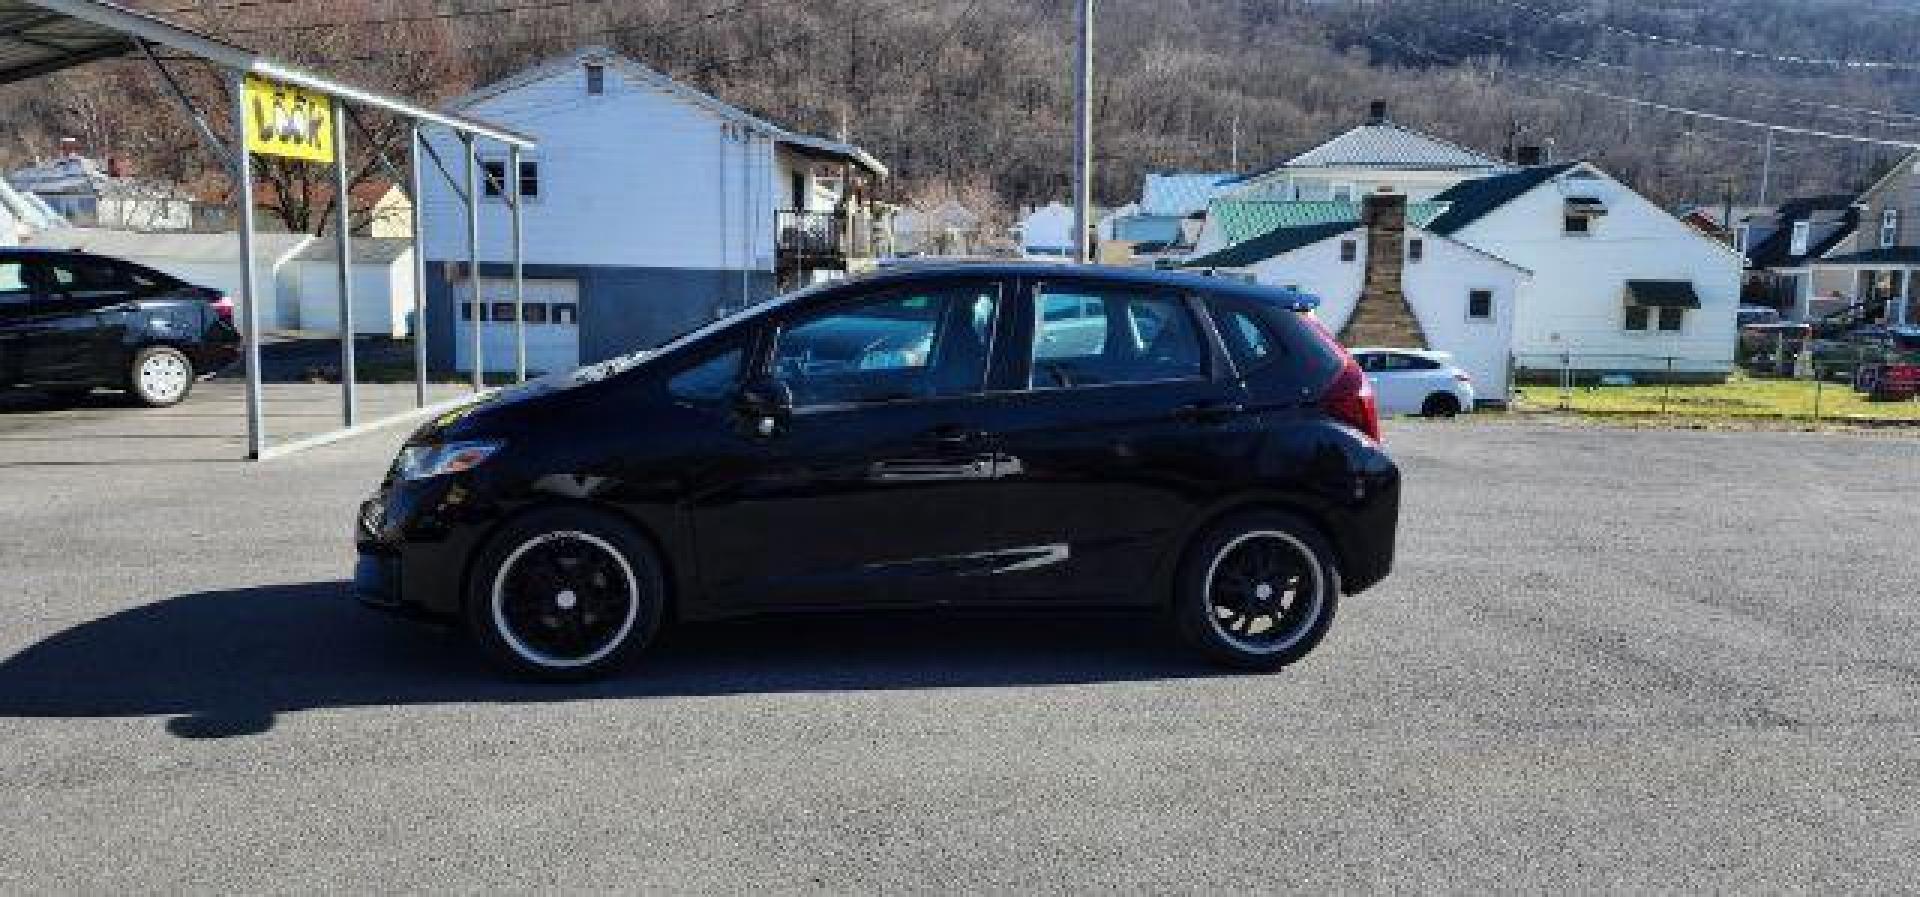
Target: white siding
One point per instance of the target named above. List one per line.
(1436, 288)
(382, 295)
(1049, 227)
(1317, 269)
(1576, 302)
(635, 177)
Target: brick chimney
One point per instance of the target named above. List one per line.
(1382, 317)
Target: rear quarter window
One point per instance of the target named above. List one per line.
(1272, 343)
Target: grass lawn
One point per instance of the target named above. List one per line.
(1741, 396)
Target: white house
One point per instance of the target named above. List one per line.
(1377, 156)
(1620, 284)
(1047, 231)
(1461, 299)
(947, 228)
(382, 277)
(651, 207)
(87, 193)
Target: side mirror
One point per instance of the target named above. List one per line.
(763, 406)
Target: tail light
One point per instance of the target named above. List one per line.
(223, 306)
(1349, 399)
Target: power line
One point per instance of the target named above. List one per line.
(1910, 120)
(654, 29)
(243, 4)
(422, 17)
(1663, 107)
(1725, 51)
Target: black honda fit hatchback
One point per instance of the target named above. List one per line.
(1019, 435)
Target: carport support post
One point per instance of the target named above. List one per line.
(519, 279)
(473, 264)
(249, 296)
(419, 270)
(343, 239)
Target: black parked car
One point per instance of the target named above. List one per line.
(1014, 434)
(70, 322)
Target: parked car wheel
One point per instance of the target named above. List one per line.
(160, 376)
(1440, 404)
(1257, 591)
(565, 594)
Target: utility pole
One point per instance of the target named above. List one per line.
(1726, 217)
(1083, 141)
(1766, 169)
(1233, 152)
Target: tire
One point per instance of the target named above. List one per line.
(607, 595)
(160, 376)
(1440, 404)
(1220, 584)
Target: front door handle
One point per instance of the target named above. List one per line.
(952, 437)
(1208, 412)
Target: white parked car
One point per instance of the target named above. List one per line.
(1416, 381)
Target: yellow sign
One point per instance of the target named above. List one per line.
(283, 120)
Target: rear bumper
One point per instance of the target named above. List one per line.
(1366, 530)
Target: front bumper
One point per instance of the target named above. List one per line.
(414, 540)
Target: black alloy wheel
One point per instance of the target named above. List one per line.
(1258, 591)
(565, 594)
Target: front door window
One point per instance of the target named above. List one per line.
(917, 344)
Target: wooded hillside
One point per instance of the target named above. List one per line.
(975, 95)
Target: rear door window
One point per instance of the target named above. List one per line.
(1098, 337)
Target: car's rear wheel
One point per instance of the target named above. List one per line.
(1257, 591)
(565, 594)
(1440, 404)
(160, 376)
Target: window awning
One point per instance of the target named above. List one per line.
(1662, 294)
(1585, 205)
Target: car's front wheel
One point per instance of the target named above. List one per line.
(565, 594)
(1257, 591)
(160, 376)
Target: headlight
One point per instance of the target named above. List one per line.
(418, 462)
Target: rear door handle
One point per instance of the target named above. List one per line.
(1209, 412)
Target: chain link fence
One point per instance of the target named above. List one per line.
(1778, 376)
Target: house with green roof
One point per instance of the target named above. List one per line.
(1618, 284)
(1378, 154)
(1231, 221)
(1383, 278)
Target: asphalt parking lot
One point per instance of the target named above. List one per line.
(107, 429)
(1609, 659)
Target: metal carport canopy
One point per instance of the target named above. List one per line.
(40, 37)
